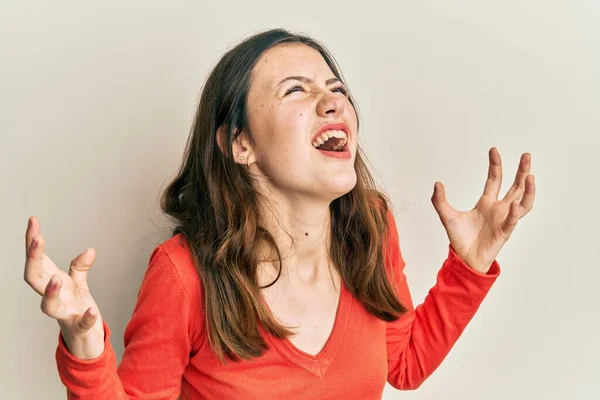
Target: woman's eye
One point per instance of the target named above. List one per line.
(341, 89)
(293, 89)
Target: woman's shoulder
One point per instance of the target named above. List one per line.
(176, 252)
(172, 283)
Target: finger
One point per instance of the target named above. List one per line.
(86, 321)
(445, 211)
(511, 220)
(50, 299)
(528, 197)
(494, 178)
(516, 190)
(80, 266)
(33, 273)
(33, 230)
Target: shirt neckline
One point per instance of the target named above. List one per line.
(319, 363)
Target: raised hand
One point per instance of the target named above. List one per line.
(478, 235)
(65, 297)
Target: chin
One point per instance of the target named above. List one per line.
(341, 186)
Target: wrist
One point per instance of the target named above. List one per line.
(477, 265)
(481, 268)
(84, 345)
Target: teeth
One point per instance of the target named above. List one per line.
(328, 134)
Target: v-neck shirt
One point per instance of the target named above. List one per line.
(167, 354)
(319, 363)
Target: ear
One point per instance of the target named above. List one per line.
(242, 145)
(221, 137)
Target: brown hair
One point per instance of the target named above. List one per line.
(215, 206)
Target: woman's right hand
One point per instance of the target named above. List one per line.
(65, 297)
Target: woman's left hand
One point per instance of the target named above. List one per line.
(478, 235)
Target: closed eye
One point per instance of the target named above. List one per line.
(294, 88)
(341, 89)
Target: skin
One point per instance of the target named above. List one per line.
(479, 234)
(301, 182)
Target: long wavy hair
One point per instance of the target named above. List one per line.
(215, 206)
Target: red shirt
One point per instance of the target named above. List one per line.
(167, 355)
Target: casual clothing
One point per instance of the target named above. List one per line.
(167, 355)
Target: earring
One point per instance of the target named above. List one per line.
(242, 158)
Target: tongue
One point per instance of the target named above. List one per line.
(329, 144)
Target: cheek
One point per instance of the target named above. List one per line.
(290, 126)
(352, 112)
(281, 132)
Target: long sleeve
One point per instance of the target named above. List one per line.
(419, 340)
(157, 344)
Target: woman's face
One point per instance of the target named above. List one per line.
(293, 95)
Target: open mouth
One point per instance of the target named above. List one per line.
(331, 140)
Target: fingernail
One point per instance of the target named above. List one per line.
(29, 222)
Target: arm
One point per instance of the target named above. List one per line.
(157, 344)
(419, 340)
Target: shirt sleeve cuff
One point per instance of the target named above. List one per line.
(461, 267)
(68, 360)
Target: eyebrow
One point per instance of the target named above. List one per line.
(307, 80)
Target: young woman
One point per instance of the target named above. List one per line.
(283, 278)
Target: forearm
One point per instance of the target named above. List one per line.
(86, 346)
(420, 342)
(94, 378)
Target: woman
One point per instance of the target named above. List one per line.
(284, 277)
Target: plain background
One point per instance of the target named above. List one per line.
(97, 100)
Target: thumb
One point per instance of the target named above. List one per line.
(80, 266)
(86, 321)
(50, 299)
(440, 203)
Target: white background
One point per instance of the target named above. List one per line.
(96, 101)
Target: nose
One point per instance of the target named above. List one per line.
(330, 104)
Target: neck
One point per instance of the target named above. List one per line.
(302, 233)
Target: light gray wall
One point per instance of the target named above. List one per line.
(97, 99)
